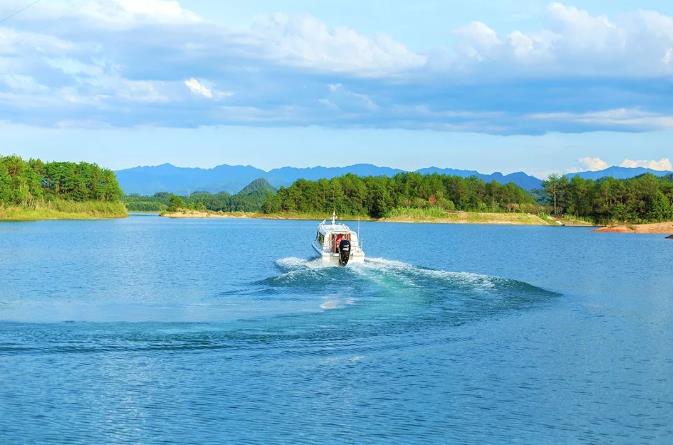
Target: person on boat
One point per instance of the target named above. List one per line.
(337, 241)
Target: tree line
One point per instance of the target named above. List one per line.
(376, 196)
(26, 183)
(642, 199)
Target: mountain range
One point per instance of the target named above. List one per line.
(619, 173)
(149, 180)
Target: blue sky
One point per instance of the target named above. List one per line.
(500, 85)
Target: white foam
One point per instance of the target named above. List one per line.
(377, 269)
(331, 303)
(479, 281)
(293, 263)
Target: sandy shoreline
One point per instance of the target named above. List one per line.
(665, 228)
(451, 218)
(201, 214)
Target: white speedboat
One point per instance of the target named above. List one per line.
(338, 244)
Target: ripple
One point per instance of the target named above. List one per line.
(378, 298)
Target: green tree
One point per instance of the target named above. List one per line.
(176, 203)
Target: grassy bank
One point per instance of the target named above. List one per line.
(436, 215)
(59, 209)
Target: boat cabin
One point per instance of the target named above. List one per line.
(332, 239)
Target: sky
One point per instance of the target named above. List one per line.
(536, 86)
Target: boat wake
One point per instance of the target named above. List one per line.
(391, 275)
(384, 290)
(380, 298)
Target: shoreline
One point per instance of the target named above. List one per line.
(20, 214)
(665, 228)
(489, 218)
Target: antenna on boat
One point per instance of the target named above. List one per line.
(359, 239)
(333, 206)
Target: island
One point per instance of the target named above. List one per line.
(641, 204)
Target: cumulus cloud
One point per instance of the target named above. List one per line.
(115, 60)
(593, 164)
(663, 164)
(573, 42)
(480, 40)
(306, 41)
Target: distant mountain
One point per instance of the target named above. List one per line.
(233, 178)
(287, 175)
(183, 180)
(618, 173)
(521, 179)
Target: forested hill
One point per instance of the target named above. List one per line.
(353, 195)
(643, 199)
(377, 196)
(31, 182)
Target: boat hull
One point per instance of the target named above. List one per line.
(357, 256)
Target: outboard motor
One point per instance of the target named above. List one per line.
(344, 252)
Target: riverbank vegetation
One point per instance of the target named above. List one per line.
(57, 209)
(436, 198)
(640, 200)
(35, 189)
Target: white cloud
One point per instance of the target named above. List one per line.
(663, 164)
(593, 164)
(107, 57)
(340, 98)
(574, 42)
(117, 14)
(22, 83)
(17, 43)
(625, 118)
(480, 40)
(198, 88)
(307, 42)
(579, 29)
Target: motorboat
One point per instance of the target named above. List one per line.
(337, 244)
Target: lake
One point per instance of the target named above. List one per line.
(149, 330)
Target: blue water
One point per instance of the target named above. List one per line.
(148, 330)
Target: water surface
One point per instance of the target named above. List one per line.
(149, 330)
